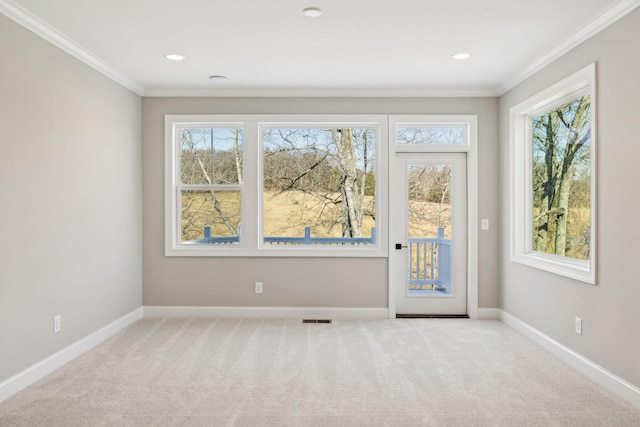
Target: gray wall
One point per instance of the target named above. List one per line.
(611, 325)
(296, 282)
(70, 199)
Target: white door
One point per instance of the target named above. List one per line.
(428, 257)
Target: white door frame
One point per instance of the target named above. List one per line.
(471, 148)
(453, 302)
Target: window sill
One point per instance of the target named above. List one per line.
(298, 252)
(567, 267)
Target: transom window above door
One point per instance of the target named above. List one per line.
(432, 134)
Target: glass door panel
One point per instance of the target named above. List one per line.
(429, 229)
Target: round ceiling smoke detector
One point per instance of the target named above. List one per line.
(217, 78)
(312, 12)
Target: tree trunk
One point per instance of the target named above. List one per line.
(575, 143)
(563, 206)
(236, 151)
(541, 239)
(352, 202)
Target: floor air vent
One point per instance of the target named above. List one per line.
(316, 320)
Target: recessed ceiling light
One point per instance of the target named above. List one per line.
(461, 55)
(175, 57)
(312, 12)
(218, 78)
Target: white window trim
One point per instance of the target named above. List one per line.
(521, 200)
(251, 243)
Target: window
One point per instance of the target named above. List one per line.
(210, 185)
(431, 134)
(319, 185)
(275, 186)
(553, 178)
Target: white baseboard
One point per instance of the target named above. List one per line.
(33, 373)
(338, 313)
(596, 373)
(489, 313)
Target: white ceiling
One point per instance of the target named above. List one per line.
(356, 48)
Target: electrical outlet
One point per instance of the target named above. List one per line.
(578, 326)
(258, 287)
(56, 324)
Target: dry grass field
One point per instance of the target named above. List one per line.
(578, 229)
(287, 214)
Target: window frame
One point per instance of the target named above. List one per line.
(180, 186)
(521, 177)
(251, 241)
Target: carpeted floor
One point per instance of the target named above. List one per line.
(405, 372)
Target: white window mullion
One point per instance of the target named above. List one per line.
(251, 211)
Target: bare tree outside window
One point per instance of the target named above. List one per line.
(553, 181)
(431, 135)
(210, 173)
(562, 179)
(429, 197)
(321, 178)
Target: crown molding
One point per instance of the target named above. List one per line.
(23, 17)
(321, 93)
(603, 21)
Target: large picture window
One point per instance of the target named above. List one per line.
(319, 185)
(553, 178)
(275, 186)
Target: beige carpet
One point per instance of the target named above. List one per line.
(406, 372)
